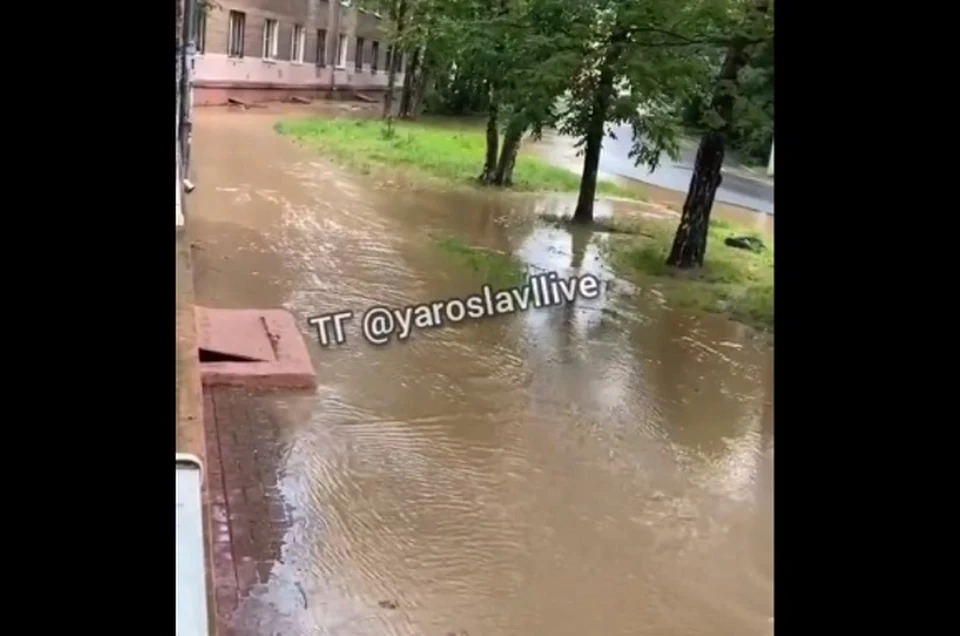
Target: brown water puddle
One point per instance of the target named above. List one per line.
(604, 468)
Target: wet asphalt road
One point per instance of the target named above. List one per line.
(738, 187)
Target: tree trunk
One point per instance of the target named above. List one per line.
(588, 178)
(508, 154)
(388, 96)
(493, 136)
(493, 140)
(591, 153)
(421, 90)
(419, 85)
(398, 10)
(690, 242)
(409, 76)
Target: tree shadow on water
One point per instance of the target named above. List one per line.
(580, 238)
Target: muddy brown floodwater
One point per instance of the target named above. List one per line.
(605, 468)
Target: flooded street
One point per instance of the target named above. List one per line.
(598, 469)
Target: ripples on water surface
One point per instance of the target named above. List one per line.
(604, 468)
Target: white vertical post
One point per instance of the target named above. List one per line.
(179, 199)
(770, 163)
(192, 617)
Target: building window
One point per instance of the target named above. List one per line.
(358, 56)
(388, 57)
(297, 46)
(237, 24)
(375, 52)
(341, 51)
(321, 47)
(271, 29)
(200, 33)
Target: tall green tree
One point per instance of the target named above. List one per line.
(545, 37)
(752, 131)
(754, 29)
(616, 61)
(640, 62)
(510, 58)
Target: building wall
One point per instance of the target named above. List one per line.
(218, 76)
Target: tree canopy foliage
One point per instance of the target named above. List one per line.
(663, 67)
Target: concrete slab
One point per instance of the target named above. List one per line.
(240, 333)
(269, 338)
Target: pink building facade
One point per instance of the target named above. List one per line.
(269, 50)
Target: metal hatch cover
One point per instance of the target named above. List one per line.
(252, 348)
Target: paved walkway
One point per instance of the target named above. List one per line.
(248, 516)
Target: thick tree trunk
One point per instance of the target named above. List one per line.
(591, 152)
(398, 11)
(409, 79)
(493, 141)
(588, 179)
(508, 154)
(493, 136)
(690, 242)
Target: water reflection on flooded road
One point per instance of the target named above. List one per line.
(601, 468)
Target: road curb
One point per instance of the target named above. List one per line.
(767, 181)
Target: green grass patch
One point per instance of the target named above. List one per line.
(452, 152)
(735, 282)
(498, 269)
